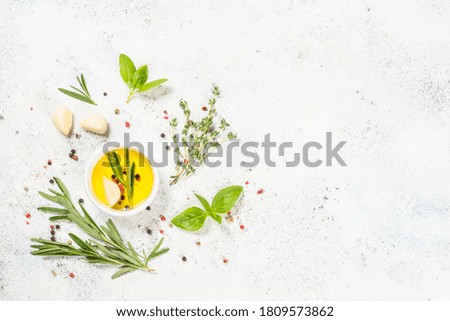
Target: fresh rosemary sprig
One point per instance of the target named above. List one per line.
(197, 139)
(128, 182)
(80, 94)
(106, 245)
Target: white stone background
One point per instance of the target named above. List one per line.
(375, 73)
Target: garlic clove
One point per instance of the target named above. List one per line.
(96, 124)
(112, 192)
(63, 120)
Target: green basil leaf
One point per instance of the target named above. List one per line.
(216, 217)
(225, 199)
(127, 68)
(191, 219)
(204, 202)
(140, 76)
(152, 84)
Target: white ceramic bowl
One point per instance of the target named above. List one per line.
(120, 213)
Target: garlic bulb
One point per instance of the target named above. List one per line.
(63, 119)
(96, 124)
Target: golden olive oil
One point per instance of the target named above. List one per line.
(143, 184)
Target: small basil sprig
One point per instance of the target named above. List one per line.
(193, 218)
(136, 79)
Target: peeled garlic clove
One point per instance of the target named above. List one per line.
(96, 124)
(112, 191)
(63, 119)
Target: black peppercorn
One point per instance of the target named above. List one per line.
(57, 226)
(122, 197)
(149, 231)
(51, 181)
(167, 147)
(53, 239)
(73, 151)
(163, 135)
(81, 201)
(70, 155)
(52, 232)
(148, 208)
(184, 259)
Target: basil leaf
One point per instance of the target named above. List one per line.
(204, 202)
(127, 68)
(140, 76)
(225, 199)
(152, 84)
(191, 219)
(216, 217)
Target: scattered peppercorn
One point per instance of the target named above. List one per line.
(52, 227)
(167, 147)
(161, 231)
(198, 243)
(105, 94)
(73, 151)
(163, 218)
(119, 202)
(28, 223)
(122, 197)
(184, 259)
(148, 208)
(72, 275)
(149, 231)
(242, 227)
(26, 189)
(225, 261)
(260, 191)
(165, 117)
(127, 124)
(77, 136)
(53, 239)
(247, 182)
(113, 176)
(70, 155)
(54, 273)
(138, 177)
(117, 111)
(165, 112)
(124, 172)
(127, 207)
(81, 201)
(51, 181)
(49, 162)
(57, 226)
(75, 157)
(28, 215)
(69, 242)
(204, 108)
(163, 135)
(52, 232)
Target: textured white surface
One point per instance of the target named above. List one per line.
(375, 73)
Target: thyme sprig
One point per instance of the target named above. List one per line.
(106, 246)
(80, 94)
(197, 139)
